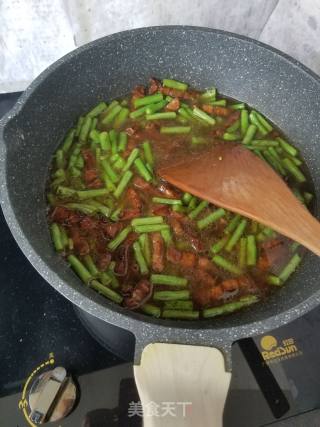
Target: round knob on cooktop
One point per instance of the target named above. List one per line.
(52, 396)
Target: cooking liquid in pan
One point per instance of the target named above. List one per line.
(143, 243)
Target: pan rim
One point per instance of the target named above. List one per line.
(113, 313)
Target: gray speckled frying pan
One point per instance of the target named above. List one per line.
(281, 88)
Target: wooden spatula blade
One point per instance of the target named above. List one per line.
(232, 177)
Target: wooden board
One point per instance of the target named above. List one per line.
(192, 379)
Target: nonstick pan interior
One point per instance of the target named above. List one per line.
(282, 89)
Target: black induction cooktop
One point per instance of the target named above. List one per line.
(275, 379)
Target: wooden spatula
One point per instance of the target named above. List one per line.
(232, 177)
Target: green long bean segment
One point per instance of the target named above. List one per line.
(178, 305)
(244, 122)
(290, 267)
(98, 109)
(121, 237)
(232, 224)
(111, 115)
(143, 170)
(150, 228)
(294, 170)
(226, 264)
(165, 201)
(175, 129)
(132, 157)
(148, 153)
(151, 309)
(209, 95)
(195, 212)
(171, 295)
(123, 183)
(227, 136)
(175, 84)
(287, 147)
(121, 118)
(145, 247)
(249, 134)
(164, 279)
(236, 235)
(68, 141)
(263, 121)
(85, 129)
(233, 128)
(153, 108)
(230, 307)
(79, 268)
(220, 102)
(242, 259)
(64, 237)
(149, 99)
(166, 235)
(56, 237)
(251, 251)
(105, 141)
(88, 261)
(147, 220)
(255, 121)
(123, 140)
(138, 113)
(180, 314)
(203, 116)
(210, 219)
(273, 280)
(79, 125)
(105, 291)
(112, 175)
(239, 106)
(140, 258)
(161, 116)
(218, 246)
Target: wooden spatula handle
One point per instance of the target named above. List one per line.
(305, 229)
(182, 385)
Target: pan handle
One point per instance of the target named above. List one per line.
(182, 385)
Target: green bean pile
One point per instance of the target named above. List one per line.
(144, 244)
